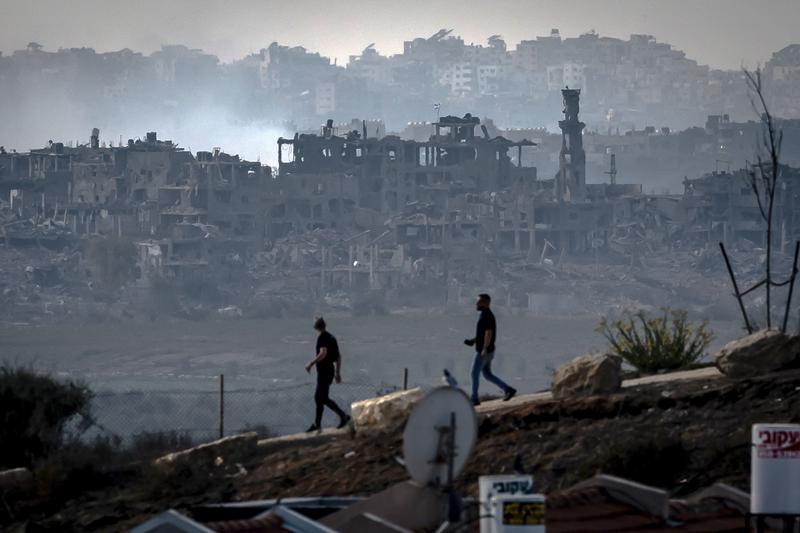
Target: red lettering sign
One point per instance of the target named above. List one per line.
(778, 443)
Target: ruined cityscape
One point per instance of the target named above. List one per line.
(171, 225)
(353, 214)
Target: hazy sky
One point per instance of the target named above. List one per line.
(721, 33)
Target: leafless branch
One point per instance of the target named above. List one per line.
(765, 173)
(757, 191)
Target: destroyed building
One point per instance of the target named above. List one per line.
(428, 193)
(149, 190)
(722, 207)
(442, 210)
(460, 187)
(354, 209)
(385, 174)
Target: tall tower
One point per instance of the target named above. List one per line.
(571, 179)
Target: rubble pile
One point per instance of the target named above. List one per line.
(22, 227)
(364, 224)
(285, 279)
(37, 283)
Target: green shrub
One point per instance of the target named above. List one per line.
(34, 411)
(650, 344)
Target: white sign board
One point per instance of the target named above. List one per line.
(775, 469)
(492, 486)
(522, 513)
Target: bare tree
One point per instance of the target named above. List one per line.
(764, 176)
(765, 173)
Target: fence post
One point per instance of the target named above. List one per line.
(736, 289)
(405, 379)
(221, 405)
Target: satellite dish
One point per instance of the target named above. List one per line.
(439, 436)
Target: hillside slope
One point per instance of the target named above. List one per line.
(681, 436)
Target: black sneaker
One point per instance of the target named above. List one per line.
(313, 428)
(510, 393)
(476, 402)
(343, 422)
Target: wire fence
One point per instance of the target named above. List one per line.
(201, 411)
(205, 415)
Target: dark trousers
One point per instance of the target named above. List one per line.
(322, 398)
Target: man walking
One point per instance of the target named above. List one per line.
(484, 342)
(328, 361)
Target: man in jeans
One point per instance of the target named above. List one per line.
(484, 342)
(328, 361)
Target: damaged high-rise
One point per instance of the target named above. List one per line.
(571, 180)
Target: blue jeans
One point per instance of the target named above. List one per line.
(480, 365)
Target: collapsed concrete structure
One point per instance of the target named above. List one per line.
(454, 183)
(151, 191)
(354, 209)
(721, 206)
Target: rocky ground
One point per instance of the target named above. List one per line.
(680, 435)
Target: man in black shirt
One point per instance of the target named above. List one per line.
(484, 342)
(328, 361)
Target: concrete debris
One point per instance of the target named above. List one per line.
(588, 375)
